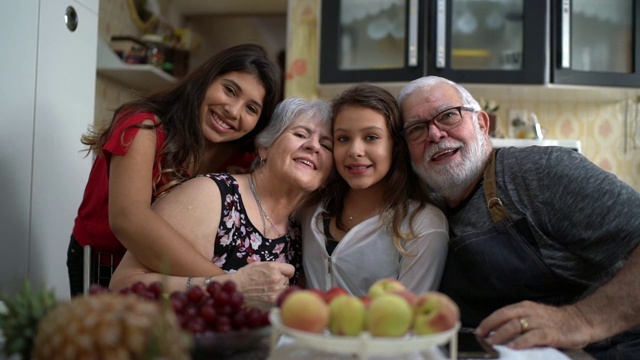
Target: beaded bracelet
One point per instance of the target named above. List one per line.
(189, 280)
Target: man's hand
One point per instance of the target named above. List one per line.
(527, 324)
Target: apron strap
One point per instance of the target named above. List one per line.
(494, 204)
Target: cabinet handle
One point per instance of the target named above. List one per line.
(412, 51)
(565, 35)
(71, 18)
(441, 33)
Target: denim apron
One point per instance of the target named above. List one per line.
(489, 269)
(502, 265)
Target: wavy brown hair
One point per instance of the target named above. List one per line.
(178, 110)
(402, 182)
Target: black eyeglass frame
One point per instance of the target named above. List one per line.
(436, 121)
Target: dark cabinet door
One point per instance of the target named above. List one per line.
(488, 41)
(372, 41)
(596, 42)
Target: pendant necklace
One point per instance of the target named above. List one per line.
(263, 214)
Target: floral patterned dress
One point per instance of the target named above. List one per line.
(239, 243)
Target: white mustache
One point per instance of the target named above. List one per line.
(441, 146)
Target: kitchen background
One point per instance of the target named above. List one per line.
(606, 138)
(53, 84)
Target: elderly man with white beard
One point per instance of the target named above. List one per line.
(543, 248)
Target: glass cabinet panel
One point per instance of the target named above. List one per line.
(601, 35)
(597, 42)
(487, 35)
(372, 40)
(372, 34)
(490, 41)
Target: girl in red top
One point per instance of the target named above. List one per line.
(204, 124)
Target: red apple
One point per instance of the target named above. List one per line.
(305, 310)
(434, 312)
(385, 285)
(283, 295)
(366, 300)
(333, 293)
(408, 295)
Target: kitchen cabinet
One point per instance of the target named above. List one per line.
(544, 46)
(47, 94)
(476, 41)
(596, 42)
(372, 40)
(570, 42)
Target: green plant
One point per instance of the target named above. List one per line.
(19, 322)
(489, 106)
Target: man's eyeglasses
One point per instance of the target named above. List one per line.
(445, 120)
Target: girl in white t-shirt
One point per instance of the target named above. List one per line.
(375, 220)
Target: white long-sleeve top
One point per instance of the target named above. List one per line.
(366, 253)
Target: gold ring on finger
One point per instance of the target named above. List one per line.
(524, 325)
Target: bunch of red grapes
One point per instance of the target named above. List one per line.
(220, 308)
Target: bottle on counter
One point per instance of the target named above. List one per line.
(155, 49)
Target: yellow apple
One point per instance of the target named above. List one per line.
(347, 315)
(389, 315)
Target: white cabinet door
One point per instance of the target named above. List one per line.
(65, 95)
(19, 29)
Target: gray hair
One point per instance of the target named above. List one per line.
(427, 82)
(286, 113)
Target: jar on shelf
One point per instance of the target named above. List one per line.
(155, 49)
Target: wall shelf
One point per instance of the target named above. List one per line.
(141, 77)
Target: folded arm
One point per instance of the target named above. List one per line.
(153, 241)
(193, 209)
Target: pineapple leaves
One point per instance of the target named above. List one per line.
(19, 321)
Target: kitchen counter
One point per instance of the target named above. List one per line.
(500, 143)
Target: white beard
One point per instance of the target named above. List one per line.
(451, 180)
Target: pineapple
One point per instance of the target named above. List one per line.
(110, 326)
(19, 320)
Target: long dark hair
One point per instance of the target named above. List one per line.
(178, 109)
(402, 182)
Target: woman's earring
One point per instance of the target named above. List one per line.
(261, 161)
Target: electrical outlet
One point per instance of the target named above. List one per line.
(518, 123)
(517, 116)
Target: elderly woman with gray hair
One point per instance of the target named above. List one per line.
(242, 222)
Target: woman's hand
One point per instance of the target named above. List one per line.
(263, 280)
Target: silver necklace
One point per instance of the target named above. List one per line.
(263, 214)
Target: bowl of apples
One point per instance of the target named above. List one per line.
(389, 320)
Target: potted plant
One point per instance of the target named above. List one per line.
(491, 108)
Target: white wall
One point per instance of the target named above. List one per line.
(47, 94)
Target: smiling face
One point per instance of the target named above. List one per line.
(231, 107)
(362, 147)
(449, 161)
(302, 154)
